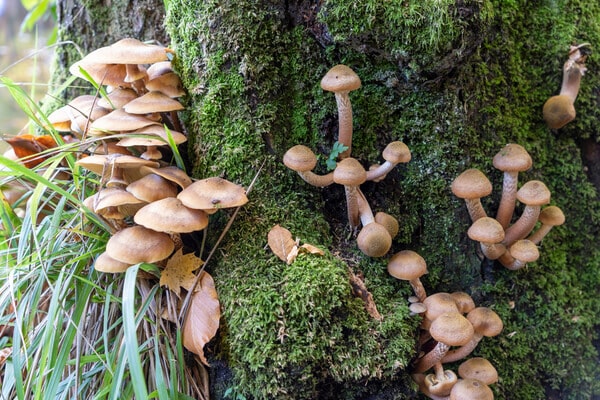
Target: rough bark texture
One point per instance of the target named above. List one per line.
(455, 81)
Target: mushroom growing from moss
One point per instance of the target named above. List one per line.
(409, 266)
(341, 80)
(550, 217)
(489, 233)
(559, 110)
(393, 154)
(472, 185)
(471, 389)
(534, 194)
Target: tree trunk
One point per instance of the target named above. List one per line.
(454, 81)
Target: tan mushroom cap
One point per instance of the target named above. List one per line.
(212, 194)
(559, 111)
(534, 193)
(471, 184)
(552, 215)
(471, 389)
(396, 152)
(101, 73)
(128, 51)
(119, 120)
(170, 173)
(389, 222)
(340, 78)
(105, 263)
(349, 172)
(478, 368)
(485, 321)
(117, 98)
(439, 303)
(151, 188)
(300, 158)
(524, 250)
(464, 301)
(99, 163)
(137, 244)
(512, 157)
(407, 265)
(170, 215)
(486, 230)
(113, 197)
(151, 102)
(168, 83)
(158, 69)
(451, 328)
(374, 240)
(85, 106)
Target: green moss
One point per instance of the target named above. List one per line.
(455, 85)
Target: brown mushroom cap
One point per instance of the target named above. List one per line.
(300, 158)
(105, 263)
(485, 321)
(439, 303)
(534, 193)
(349, 172)
(486, 230)
(389, 222)
(524, 250)
(151, 188)
(340, 78)
(478, 368)
(168, 83)
(552, 215)
(128, 51)
(558, 111)
(152, 102)
(464, 301)
(471, 389)
(512, 157)
(211, 194)
(170, 173)
(117, 98)
(170, 215)
(137, 244)
(119, 120)
(407, 265)
(451, 328)
(471, 184)
(396, 152)
(374, 240)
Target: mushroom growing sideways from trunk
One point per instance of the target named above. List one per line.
(559, 110)
(341, 80)
(393, 154)
(301, 159)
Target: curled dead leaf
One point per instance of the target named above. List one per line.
(286, 248)
(202, 321)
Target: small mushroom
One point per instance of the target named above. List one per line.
(350, 173)
(472, 185)
(301, 159)
(393, 154)
(489, 233)
(478, 368)
(519, 254)
(534, 194)
(550, 217)
(486, 323)
(471, 389)
(409, 266)
(437, 304)
(341, 80)
(137, 244)
(511, 160)
(105, 263)
(389, 222)
(212, 194)
(152, 187)
(374, 240)
(464, 302)
(559, 110)
(169, 215)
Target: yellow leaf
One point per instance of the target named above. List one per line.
(202, 321)
(309, 248)
(179, 271)
(281, 242)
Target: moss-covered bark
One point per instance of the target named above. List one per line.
(453, 80)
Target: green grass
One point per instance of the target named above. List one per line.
(77, 333)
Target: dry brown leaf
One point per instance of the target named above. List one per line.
(291, 257)
(179, 271)
(309, 248)
(203, 317)
(281, 242)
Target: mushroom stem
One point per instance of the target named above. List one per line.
(573, 69)
(352, 205)
(316, 180)
(523, 226)
(432, 358)
(344, 108)
(364, 209)
(508, 199)
(463, 351)
(380, 171)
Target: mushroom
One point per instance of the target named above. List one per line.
(519, 254)
(170, 173)
(485, 322)
(511, 160)
(409, 266)
(137, 244)
(152, 187)
(550, 217)
(170, 215)
(393, 154)
(448, 329)
(533, 194)
(151, 102)
(341, 80)
(105, 263)
(559, 110)
(478, 368)
(464, 302)
(301, 159)
(471, 389)
(472, 185)
(489, 233)
(374, 240)
(350, 173)
(389, 222)
(437, 304)
(212, 194)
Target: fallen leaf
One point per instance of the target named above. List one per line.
(179, 271)
(309, 248)
(26, 146)
(291, 257)
(281, 242)
(202, 321)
